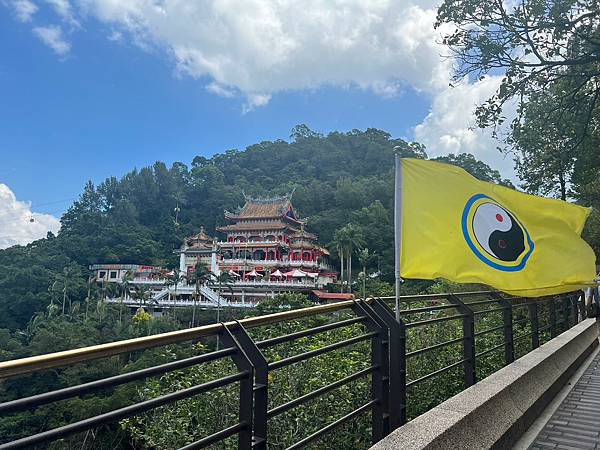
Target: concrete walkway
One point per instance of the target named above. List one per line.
(575, 423)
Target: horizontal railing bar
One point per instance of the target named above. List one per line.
(307, 440)
(405, 312)
(438, 319)
(62, 358)
(121, 413)
(490, 330)
(518, 304)
(216, 437)
(73, 391)
(328, 348)
(417, 297)
(316, 393)
(490, 350)
(50, 360)
(485, 311)
(434, 347)
(437, 372)
(484, 302)
(308, 332)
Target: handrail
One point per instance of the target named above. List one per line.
(386, 371)
(57, 359)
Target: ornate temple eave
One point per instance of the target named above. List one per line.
(254, 227)
(243, 245)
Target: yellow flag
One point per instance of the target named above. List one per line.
(469, 231)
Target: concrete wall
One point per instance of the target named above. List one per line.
(495, 412)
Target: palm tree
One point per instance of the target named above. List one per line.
(92, 294)
(174, 280)
(124, 288)
(199, 278)
(354, 240)
(223, 279)
(346, 240)
(365, 258)
(339, 243)
(142, 293)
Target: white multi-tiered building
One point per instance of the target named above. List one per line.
(266, 251)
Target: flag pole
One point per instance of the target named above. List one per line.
(397, 224)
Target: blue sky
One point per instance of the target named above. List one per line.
(87, 92)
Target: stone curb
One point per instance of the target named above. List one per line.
(495, 412)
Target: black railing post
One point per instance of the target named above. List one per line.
(380, 375)
(469, 339)
(535, 324)
(259, 388)
(397, 358)
(552, 312)
(246, 414)
(507, 320)
(582, 307)
(574, 309)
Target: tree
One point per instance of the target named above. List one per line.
(534, 43)
(365, 258)
(124, 285)
(302, 131)
(349, 238)
(224, 279)
(199, 277)
(174, 279)
(477, 168)
(337, 244)
(142, 293)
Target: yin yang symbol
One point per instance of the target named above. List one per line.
(495, 235)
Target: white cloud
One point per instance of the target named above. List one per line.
(24, 9)
(450, 125)
(115, 36)
(222, 91)
(257, 48)
(53, 37)
(261, 47)
(16, 227)
(64, 10)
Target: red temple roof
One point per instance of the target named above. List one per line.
(322, 295)
(265, 208)
(253, 226)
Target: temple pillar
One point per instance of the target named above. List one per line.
(214, 266)
(182, 260)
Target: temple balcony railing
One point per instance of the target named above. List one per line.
(242, 245)
(490, 331)
(179, 302)
(254, 262)
(274, 263)
(276, 283)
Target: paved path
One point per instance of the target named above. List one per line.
(575, 425)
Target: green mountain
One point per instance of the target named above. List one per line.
(337, 179)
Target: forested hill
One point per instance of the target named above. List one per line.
(337, 179)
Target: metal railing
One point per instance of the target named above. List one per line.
(388, 369)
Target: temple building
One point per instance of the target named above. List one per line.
(266, 235)
(200, 248)
(266, 250)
